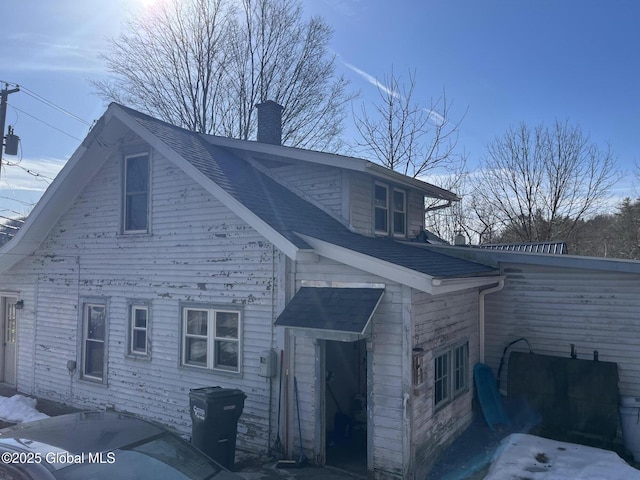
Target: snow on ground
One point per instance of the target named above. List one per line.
(19, 409)
(536, 458)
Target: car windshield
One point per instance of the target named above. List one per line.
(164, 457)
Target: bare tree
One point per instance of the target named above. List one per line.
(538, 183)
(403, 134)
(205, 64)
(444, 220)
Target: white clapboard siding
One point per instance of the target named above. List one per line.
(441, 322)
(555, 307)
(198, 251)
(388, 360)
(361, 202)
(322, 184)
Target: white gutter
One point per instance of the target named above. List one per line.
(484, 293)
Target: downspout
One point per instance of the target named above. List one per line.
(484, 293)
(273, 342)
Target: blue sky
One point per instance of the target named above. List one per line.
(501, 62)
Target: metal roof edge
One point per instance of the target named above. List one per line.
(497, 257)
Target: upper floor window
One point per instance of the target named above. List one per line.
(136, 193)
(381, 208)
(399, 213)
(211, 338)
(390, 210)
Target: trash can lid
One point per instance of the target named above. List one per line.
(216, 392)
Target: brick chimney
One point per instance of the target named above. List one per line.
(270, 122)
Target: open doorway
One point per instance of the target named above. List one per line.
(346, 406)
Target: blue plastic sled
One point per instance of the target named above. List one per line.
(489, 396)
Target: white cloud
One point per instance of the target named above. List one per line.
(30, 174)
(23, 183)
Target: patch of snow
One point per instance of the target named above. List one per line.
(18, 409)
(536, 458)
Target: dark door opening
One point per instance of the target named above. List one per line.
(346, 407)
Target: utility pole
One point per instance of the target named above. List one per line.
(4, 94)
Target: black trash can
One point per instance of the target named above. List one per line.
(214, 421)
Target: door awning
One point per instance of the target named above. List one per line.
(330, 309)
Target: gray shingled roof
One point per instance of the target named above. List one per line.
(327, 308)
(288, 213)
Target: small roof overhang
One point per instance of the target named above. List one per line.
(331, 313)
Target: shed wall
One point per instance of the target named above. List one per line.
(441, 322)
(556, 307)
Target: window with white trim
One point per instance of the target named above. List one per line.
(381, 208)
(441, 376)
(460, 368)
(451, 374)
(399, 213)
(211, 338)
(389, 210)
(94, 340)
(136, 194)
(139, 330)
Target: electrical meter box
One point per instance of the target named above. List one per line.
(268, 363)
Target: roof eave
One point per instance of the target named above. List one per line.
(448, 285)
(332, 160)
(60, 194)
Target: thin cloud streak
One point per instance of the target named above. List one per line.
(434, 117)
(371, 79)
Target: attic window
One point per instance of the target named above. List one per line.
(381, 208)
(389, 210)
(399, 213)
(136, 194)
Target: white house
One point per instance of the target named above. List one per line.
(161, 260)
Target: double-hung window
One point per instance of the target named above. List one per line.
(211, 338)
(381, 208)
(451, 374)
(139, 330)
(94, 339)
(389, 210)
(399, 213)
(441, 378)
(136, 194)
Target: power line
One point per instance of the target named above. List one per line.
(30, 172)
(45, 123)
(47, 102)
(32, 94)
